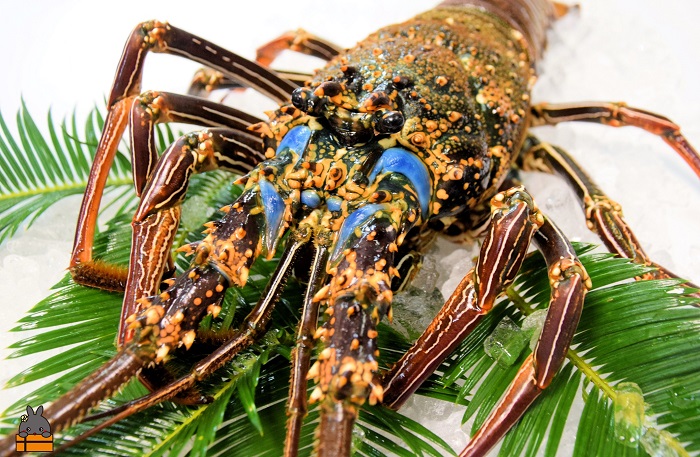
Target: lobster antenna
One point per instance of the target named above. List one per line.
(268, 299)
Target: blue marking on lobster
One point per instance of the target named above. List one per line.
(354, 220)
(310, 198)
(403, 161)
(296, 140)
(334, 203)
(273, 206)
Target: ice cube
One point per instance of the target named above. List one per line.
(629, 413)
(532, 326)
(505, 343)
(660, 443)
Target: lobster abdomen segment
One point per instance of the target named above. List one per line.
(530, 17)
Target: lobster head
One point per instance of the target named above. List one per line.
(417, 98)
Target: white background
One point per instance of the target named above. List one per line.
(62, 55)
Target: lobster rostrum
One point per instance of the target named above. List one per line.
(411, 134)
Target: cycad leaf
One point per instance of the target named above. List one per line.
(36, 172)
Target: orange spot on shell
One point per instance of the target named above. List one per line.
(454, 116)
(418, 139)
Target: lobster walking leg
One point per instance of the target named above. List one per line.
(158, 214)
(569, 282)
(618, 115)
(603, 216)
(297, 41)
(252, 327)
(152, 108)
(207, 79)
(155, 36)
(515, 222)
(301, 354)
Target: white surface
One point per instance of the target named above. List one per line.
(62, 55)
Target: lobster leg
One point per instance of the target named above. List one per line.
(158, 215)
(619, 115)
(301, 355)
(298, 41)
(152, 108)
(207, 79)
(515, 219)
(514, 224)
(156, 36)
(253, 326)
(603, 216)
(569, 283)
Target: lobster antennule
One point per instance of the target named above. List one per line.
(358, 296)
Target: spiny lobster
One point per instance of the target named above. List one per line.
(340, 170)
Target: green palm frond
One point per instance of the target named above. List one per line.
(642, 332)
(38, 171)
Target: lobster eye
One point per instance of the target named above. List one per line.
(305, 100)
(299, 99)
(389, 122)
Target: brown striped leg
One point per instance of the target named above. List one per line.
(152, 108)
(298, 41)
(301, 355)
(569, 282)
(206, 80)
(619, 115)
(515, 219)
(158, 214)
(603, 215)
(149, 109)
(153, 36)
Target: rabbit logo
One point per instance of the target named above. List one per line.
(34, 432)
